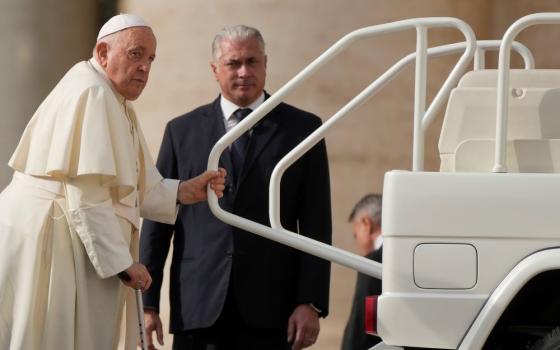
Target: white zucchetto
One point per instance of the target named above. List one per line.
(120, 22)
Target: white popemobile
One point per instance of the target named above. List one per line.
(471, 256)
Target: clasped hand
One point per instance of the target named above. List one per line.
(194, 190)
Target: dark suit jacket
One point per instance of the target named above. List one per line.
(355, 336)
(268, 279)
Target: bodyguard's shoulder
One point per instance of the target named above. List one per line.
(194, 116)
(299, 116)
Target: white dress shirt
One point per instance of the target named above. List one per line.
(228, 108)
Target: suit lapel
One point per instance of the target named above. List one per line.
(216, 129)
(262, 133)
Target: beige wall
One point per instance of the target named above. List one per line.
(40, 40)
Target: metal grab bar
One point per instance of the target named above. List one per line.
(317, 135)
(484, 45)
(388, 76)
(303, 243)
(502, 105)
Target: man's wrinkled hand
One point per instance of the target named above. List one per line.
(194, 190)
(136, 277)
(153, 323)
(303, 327)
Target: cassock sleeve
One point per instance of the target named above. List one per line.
(93, 218)
(160, 201)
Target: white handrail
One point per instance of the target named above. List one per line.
(485, 45)
(502, 105)
(421, 119)
(378, 84)
(294, 240)
(420, 95)
(481, 46)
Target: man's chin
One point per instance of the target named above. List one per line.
(245, 99)
(133, 95)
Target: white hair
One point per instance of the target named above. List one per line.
(235, 33)
(371, 205)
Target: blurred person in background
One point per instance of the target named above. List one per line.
(366, 228)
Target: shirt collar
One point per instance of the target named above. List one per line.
(97, 67)
(378, 242)
(228, 107)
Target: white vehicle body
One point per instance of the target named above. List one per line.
(471, 255)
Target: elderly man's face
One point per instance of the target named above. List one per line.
(240, 70)
(128, 60)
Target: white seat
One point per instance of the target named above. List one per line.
(543, 78)
(523, 156)
(467, 135)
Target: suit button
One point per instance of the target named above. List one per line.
(230, 188)
(229, 254)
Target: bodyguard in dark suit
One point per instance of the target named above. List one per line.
(366, 227)
(231, 289)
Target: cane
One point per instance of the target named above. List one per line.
(141, 326)
(139, 309)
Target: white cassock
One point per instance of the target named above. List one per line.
(69, 219)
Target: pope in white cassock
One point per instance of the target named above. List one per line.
(69, 219)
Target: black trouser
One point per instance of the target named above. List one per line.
(230, 332)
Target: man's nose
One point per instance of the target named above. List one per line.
(243, 71)
(144, 67)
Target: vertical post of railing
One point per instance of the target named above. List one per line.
(479, 58)
(502, 108)
(502, 104)
(420, 97)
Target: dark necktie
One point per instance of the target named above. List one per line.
(239, 146)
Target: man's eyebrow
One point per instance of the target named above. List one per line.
(241, 59)
(136, 47)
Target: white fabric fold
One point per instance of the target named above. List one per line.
(72, 215)
(91, 215)
(156, 205)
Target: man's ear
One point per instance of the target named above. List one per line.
(102, 53)
(214, 67)
(368, 224)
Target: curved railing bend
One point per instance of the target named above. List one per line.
(502, 105)
(485, 45)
